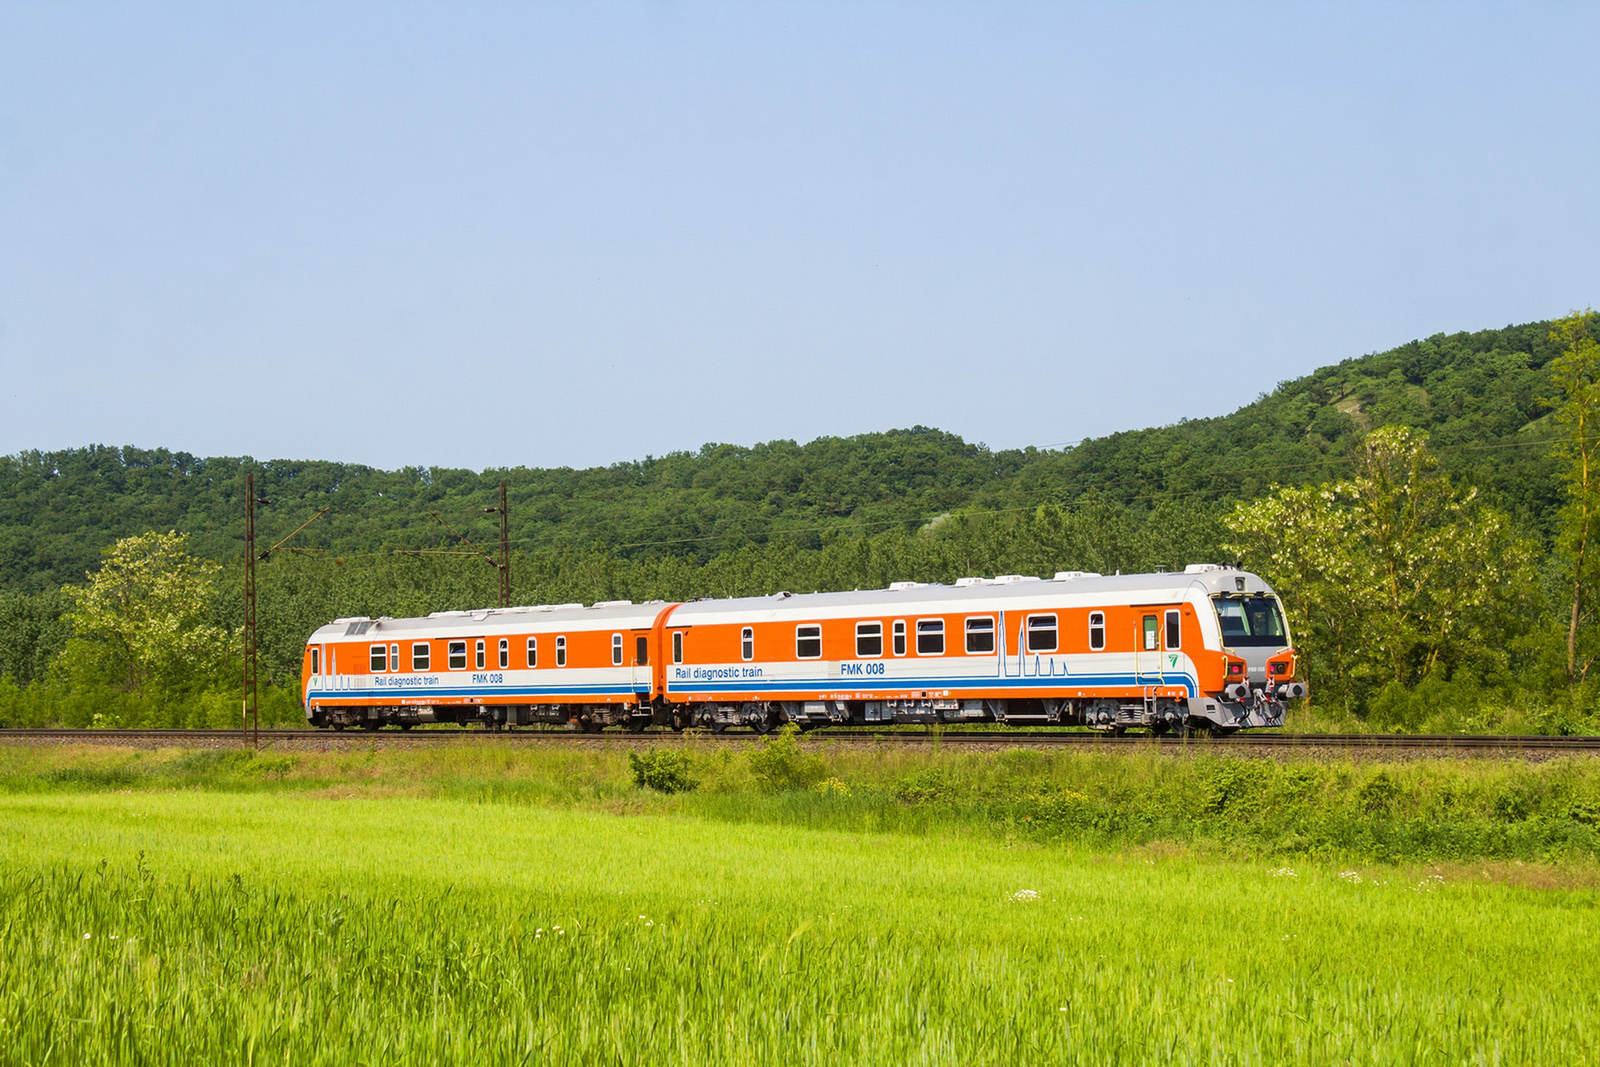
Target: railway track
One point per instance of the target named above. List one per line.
(975, 739)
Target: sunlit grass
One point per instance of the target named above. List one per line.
(198, 926)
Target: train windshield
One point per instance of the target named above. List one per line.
(1250, 621)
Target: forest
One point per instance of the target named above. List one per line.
(1424, 511)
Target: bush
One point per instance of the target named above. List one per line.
(780, 764)
(662, 769)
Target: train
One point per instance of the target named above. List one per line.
(1203, 649)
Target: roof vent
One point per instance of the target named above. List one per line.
(558, 607)
(1068, 576)
(1012, 579)
(613, 603)
(897, 587)
(963, 583)
(1203, 568)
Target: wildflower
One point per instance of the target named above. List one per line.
(86, 937)
(1284, 872)
(1353, 877)
(1024, 896)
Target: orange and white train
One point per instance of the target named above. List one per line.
(1205, 648)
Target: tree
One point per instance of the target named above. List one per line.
(145, 610)
(1576, 374)
(1397, 571)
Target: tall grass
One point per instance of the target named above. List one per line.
(207, 926)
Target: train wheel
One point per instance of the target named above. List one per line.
(407, 725)
(636, 725)
(370, 725)
(718, 727)
(338, 727)
(761, 726)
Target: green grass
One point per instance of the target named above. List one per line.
(488, 904)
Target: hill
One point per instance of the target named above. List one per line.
(1478, 394)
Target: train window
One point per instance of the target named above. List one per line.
(457, 652)
(1149, 633)
(930, 637)
(533, 652)
(747, 644)
(869, 640)
(1041, 633)
(980, 636)
(561, 651)
(478, 655)
(316, 661)
(380, 659)
(900, 637)
(1174, 630)
(808, 641)
(677, 646)
(1097, 631)
(419, 656)
(641, 651)
(394, 657)
(616, 650)
(505, 653)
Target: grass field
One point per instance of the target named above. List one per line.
(492, 906)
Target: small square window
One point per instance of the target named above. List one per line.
(808, 642)
(980, 636)
(1042, 633)
(869, 640)
(380, 659)
(458, 655)
(930, 637)
(419, 656)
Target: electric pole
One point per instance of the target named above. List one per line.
(505, 550)
(250, 723)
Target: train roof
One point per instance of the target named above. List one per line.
(1006, 592)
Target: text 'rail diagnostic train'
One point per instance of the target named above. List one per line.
(1206, 648)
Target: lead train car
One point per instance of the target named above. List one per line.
(1207, 647)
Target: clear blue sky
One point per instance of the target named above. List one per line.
(544, 234)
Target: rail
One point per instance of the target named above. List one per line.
(1445, 742)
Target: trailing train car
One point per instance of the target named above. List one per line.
(1204, 648)
(505, 666)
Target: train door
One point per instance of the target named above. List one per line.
(641, 665)
(1147, 652)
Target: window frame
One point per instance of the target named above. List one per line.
(677, 647)
(1172, 630)
(450, 655)
(1150, 634)
(394, 657)
(316, 660)
(561, 650)
(1053, 629)
(616, 650)
(747, 643)
(533, 653)
(986, 625)
(480, 655)
(378, 659)
(423, 663)
(1097, 631)
(505, 653)
(935, 630)
(808, 638)
(871, 631)
(898, 637)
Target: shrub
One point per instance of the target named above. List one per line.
(780, 764)
(662, 769)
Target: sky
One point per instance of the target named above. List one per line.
(562, 234)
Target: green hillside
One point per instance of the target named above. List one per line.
(1477, 393)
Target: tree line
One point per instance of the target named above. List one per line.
(1431, 584)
